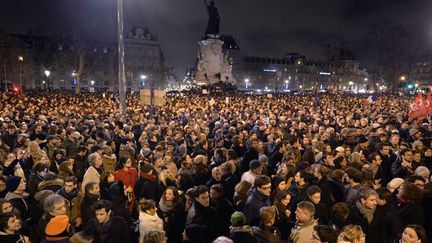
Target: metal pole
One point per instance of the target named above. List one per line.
(121, 75)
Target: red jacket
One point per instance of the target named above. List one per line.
(128, 177)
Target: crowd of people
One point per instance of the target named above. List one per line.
(229, 167)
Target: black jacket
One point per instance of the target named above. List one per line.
(115, 231)
(242, 234)
(254, 202)
(370, 229)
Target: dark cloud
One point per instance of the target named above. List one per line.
(271, 27)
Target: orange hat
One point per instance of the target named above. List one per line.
(57, 225)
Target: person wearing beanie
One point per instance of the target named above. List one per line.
(255, 169)
(57, 230)
(240, 231)
(146, 185)
(53, 205)
(16, 195)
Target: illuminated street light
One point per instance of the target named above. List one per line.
(286, 84)
(350, 82)
(365, 79)
(47, 73)
(20, 60)
(246, 82)
(143, 77)
(92, 82)
(402, 78)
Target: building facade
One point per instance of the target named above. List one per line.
(27, 59)
(421, 74)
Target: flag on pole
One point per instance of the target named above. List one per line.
(418, 109)
(371, 99)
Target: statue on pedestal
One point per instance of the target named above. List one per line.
(214, 19)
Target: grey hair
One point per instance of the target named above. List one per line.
(222, 239)
(52, 200)
(366, 192)
(92, 158)
(422, 171)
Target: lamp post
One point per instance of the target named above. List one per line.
(143, 77)
(286, 84)
(121, 75)
(20, 60)
(246, 83)
(47, 73)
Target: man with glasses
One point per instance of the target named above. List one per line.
(304, 227)
(258, 197)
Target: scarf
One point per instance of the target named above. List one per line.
(69, 196)
(366, 212)
(166, 206)
(149, 177)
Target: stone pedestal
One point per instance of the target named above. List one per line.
(213, 65)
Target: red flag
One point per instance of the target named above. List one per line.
(428, 104)
(418, 109)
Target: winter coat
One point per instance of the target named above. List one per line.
(174, 222)
(370, 229)
(302, 232)
(242, 234)
(146, 187)
(149, 222)
(19, 203)
(115, 231)
(52, 185)
(91, 175)
(265, 235)
(205, 217)
(250, 155)
(254, 202)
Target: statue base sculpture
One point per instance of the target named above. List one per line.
(213, 65)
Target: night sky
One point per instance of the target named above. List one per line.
(262, 27)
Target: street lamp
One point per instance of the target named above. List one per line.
(246, 83)
(92, 82)
(47, 73)
(286, 84)
(402, 78)
(143, 77)
(121, 75)
(20, 60)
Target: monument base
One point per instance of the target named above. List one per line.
(213, 65)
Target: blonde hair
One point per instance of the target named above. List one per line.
(164, 175)
(351, 233)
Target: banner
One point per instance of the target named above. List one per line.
(418, 109)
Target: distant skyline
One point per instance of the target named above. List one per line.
(266, 28)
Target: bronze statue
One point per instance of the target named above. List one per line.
(214, 19)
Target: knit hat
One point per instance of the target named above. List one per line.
(263, 158)
(57, 225)
(394, 184)
(238, 219)
(145, 167)
(254, 164)
(12, 183)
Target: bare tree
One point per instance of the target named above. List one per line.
(393, 51)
